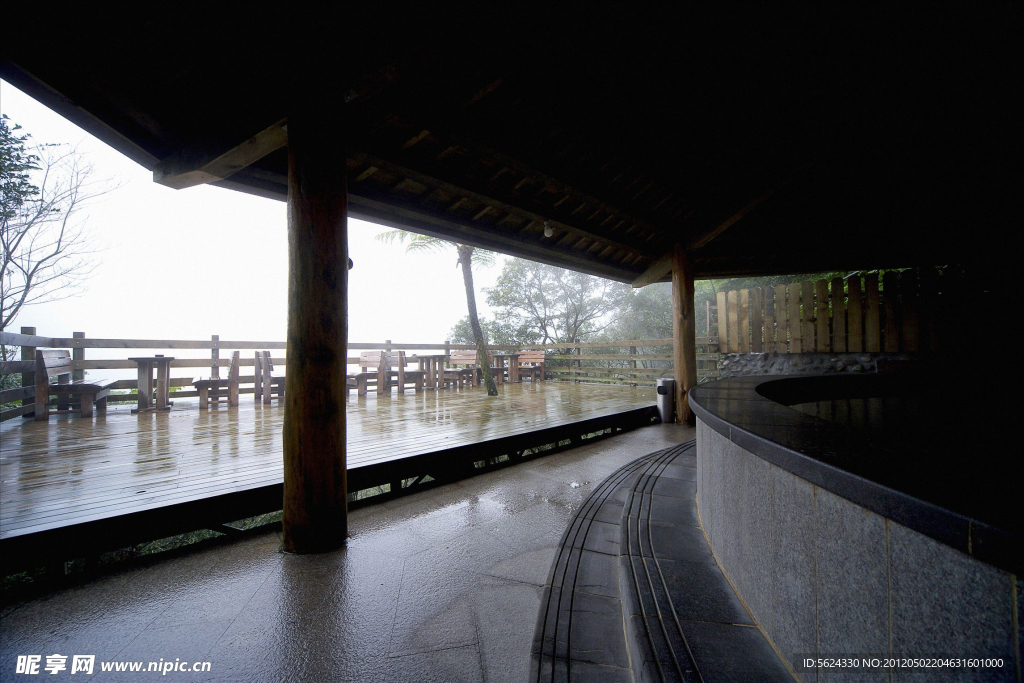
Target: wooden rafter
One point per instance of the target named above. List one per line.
(501, 206)
(496, 160)
(445, 226)
(700, 239)
(366, 174)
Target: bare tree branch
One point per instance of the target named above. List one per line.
(47, 255)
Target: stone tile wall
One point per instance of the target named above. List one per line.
(811, 363)
(824, 576)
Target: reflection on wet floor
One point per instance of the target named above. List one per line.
(58, 472)
(440, 585)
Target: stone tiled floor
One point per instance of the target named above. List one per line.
(442, 585)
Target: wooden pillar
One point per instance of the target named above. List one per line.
(315, 487)
(684, 333)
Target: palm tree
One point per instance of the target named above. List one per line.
(467, 257)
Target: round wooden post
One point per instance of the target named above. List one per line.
(315, 494)
(684, 333)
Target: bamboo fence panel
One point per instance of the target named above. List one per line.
(843, 315)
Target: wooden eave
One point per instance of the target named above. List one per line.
(798, 147)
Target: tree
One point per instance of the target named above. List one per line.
(467, 256)
(560, 306)
(497, 331)
(646, 314)
(46, 253)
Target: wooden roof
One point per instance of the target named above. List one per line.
(765, 140)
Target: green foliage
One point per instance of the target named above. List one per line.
(497, 331)
(10, 380)
(416, 243)
(772, 280)
(16, 165)
(555, 304)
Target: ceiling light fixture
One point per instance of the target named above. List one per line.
(548, 230)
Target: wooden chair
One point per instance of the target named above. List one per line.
(461, 369)
(57, 363)
(369, 366)
(360, 381)
(380, 370)
(217, 390)
(531, 364)
(405, 376)
(469, 365)
(268, 385)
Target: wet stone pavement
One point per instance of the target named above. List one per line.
(442, 585)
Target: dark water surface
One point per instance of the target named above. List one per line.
(953, 442)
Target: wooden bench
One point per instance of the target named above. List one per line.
(468, 361)
(531, 364)
(379, 371)
(57, 363)
(267, 384)
(217, 390)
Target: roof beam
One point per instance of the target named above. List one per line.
(193, 166)
(662, 267)
(703, 238)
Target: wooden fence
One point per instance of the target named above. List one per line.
(904, 311)
(181, 386)
(637, 362)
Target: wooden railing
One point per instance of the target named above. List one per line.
(637, 362)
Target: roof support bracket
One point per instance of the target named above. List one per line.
(206, 164)
(655, 272)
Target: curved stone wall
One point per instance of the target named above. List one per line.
(824, 576)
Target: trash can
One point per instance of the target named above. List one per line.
(667, 400)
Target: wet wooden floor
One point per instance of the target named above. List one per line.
(73, 470)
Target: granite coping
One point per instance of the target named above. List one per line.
(838, 460)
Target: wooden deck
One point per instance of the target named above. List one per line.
(121, 478)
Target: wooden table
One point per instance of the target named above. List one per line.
(163, 382)
(513, 364)
(433, 369)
